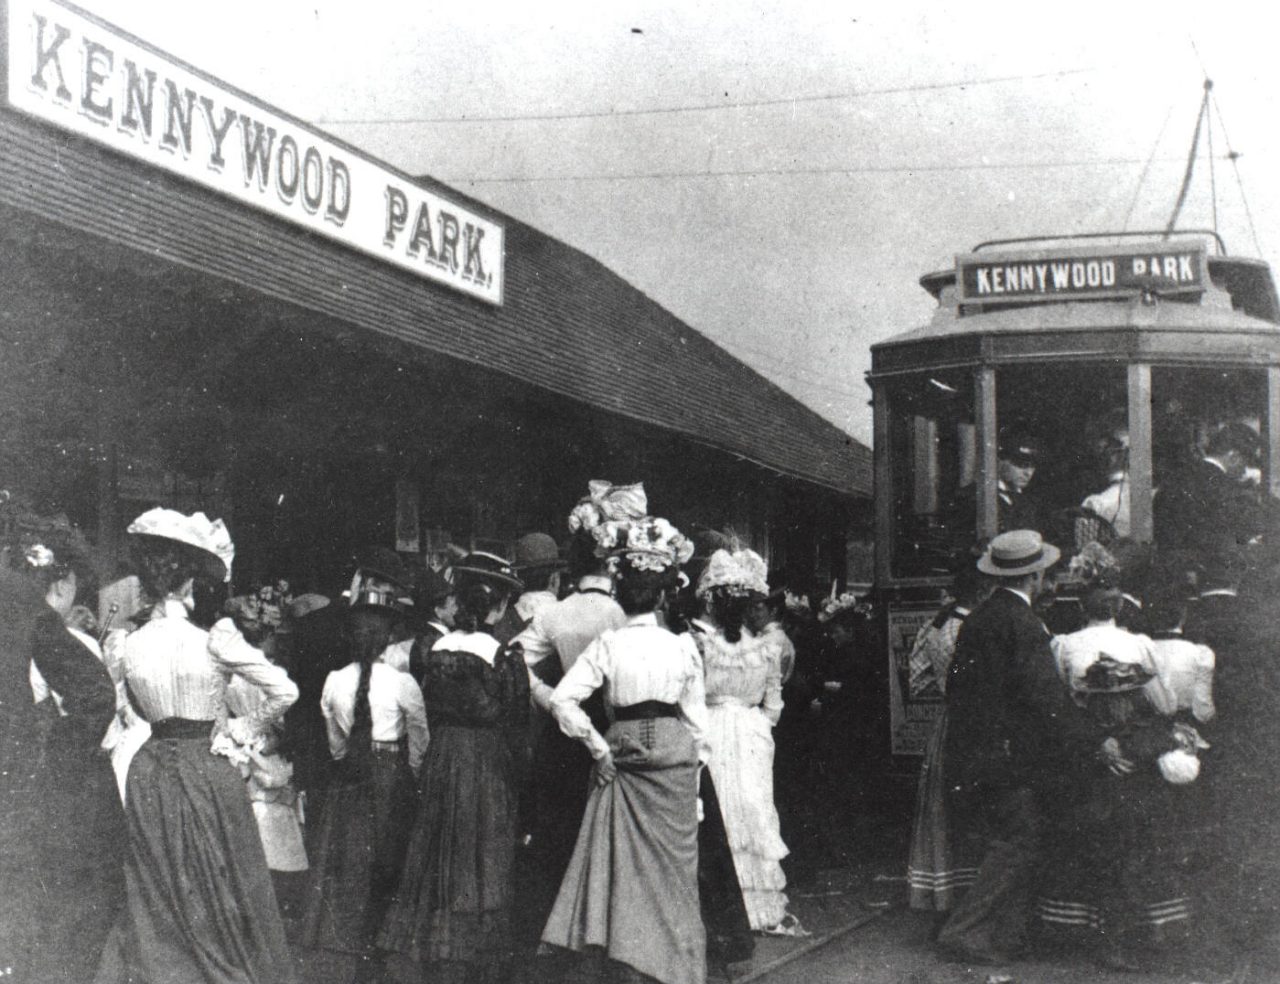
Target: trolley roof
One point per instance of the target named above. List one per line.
(1126, 297)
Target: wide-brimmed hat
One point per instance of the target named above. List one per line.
(207, 541)
(489, 567)
(1016, 553)
(1112, 676)
(647, 544)
(385, 563)
(536, 551)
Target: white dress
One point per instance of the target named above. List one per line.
(744, 702)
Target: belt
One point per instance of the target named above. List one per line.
(387, 746)
(168, 728)
(645, 709)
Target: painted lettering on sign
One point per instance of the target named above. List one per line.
(69, 69)
(1092, 276)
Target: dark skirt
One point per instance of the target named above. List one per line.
(199, 907)
(724, 913)
(457, 891)
(560, 783)
(1106, 866)
(358, 850)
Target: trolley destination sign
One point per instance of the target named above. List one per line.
(1074, 274)
(69, 69)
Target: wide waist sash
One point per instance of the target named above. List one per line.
(169, 728)
(645, 709)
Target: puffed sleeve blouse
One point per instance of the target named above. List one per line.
(641, 661)
(175, 670)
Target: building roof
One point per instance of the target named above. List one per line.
(571, 325)
(567, 324)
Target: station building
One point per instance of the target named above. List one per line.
(210, 304)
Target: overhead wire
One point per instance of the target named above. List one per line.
(1234, 157)
(785, 172)
(1146, 168)
(708, 107)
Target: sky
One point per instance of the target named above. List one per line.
(780, 174)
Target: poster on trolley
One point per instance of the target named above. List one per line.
(911, 716)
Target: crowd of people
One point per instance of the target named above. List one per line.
(558, 765)
(561, 765)
(1101, 776)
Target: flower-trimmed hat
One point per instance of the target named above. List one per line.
(738, 572)
(606, 502)
(48, 547)
(647, 544)
(1109, 675)
(846, 602)
(489, 567)
(1094, 568)
(209, 540)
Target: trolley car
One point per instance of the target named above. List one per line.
(1089, 344)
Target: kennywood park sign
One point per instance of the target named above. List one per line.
(72, 70)
(1078, 274)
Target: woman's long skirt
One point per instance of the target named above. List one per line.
(456, 895)
(199, 906)
(933, 877)
(358, 851)
(632, 886)
(1107, 869)
(742, 767)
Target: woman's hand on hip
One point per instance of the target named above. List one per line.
(605, 771)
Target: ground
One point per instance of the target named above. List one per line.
(850, 894)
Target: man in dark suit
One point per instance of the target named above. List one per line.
(1013, 736)
(1206, 502)
(1234, 616)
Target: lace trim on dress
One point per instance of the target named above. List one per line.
(748, 651)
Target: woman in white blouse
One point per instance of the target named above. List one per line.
(744, 700)
(377, 729)
(200, 906)
(632, 886)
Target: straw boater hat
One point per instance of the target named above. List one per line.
(1016, 553)
(208, 541)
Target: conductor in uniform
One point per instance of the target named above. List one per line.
(1017, 508)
